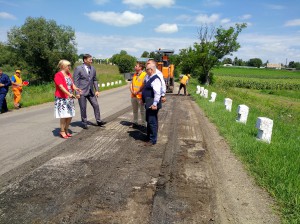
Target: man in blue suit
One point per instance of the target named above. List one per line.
(4, 84)
(85, 79)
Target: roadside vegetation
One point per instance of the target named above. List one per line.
(275, 166)
(44, 92)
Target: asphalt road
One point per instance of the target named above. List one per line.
(107, 175)
(30, 132)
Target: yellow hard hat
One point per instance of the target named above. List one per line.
(18, 71)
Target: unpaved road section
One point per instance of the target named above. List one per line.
(105, 175)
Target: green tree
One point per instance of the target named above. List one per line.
(214, 45)
(227, 61)
(124, 61)
(6, 56)
(145, 54)
(255, 62)
(40, 44)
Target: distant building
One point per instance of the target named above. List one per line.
(272, 65)
(227, 65)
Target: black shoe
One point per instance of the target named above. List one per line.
(101, 123)
(85, 126)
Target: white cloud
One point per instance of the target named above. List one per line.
(225, 21)
(295, 22)
(185, 18)
(205, 19)
(274, 48)
(166, 28)
(124, 19)
(101, 2)
(246, 16)
(153, 3)
(106, 46)
(5, 15)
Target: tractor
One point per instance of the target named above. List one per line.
(166, 68)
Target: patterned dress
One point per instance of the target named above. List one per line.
(65, 108)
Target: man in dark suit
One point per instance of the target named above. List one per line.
(85, 79)
(151, 95)
(4, 84)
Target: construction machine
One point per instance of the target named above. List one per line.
(166, 68)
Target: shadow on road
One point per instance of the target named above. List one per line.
(138, 131)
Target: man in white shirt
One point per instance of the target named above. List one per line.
(152, 99)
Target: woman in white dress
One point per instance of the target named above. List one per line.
(64, 97)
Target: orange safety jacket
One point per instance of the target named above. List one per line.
(137, 82)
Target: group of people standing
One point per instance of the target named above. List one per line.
(83, 86)
(148, 91)
(147, 88)
(17, 86)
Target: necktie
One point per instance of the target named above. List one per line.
(89, 72)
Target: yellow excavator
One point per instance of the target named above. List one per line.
(166, 68)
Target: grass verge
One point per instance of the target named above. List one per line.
(275, 166)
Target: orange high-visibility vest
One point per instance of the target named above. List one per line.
(137, 82)
(184, 79)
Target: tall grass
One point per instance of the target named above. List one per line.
(275, 166)
(43, 93)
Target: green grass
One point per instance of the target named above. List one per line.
(261, 73)
(275, 166)
(38, 94)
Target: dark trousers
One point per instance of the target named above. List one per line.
(184, 88)
(82, 104)
(3, 104)
(152, 125)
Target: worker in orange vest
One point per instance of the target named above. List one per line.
(136, 96)
(17, 85)
(183, 82)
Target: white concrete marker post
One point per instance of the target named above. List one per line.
(107, 84)
(116, 82)
(103, 85)
(243, 112)
(198, 89)
(213, 96)
(205, 94)
(228, 104)
(201, 91)
(264, 126)
(120, 82)
(112, 83)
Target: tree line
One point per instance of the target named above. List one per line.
(39, 44)
(256, 62)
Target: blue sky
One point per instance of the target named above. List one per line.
(105, 27)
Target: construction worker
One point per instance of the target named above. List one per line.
(136, 95)
(183, 82)
(17, 85)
